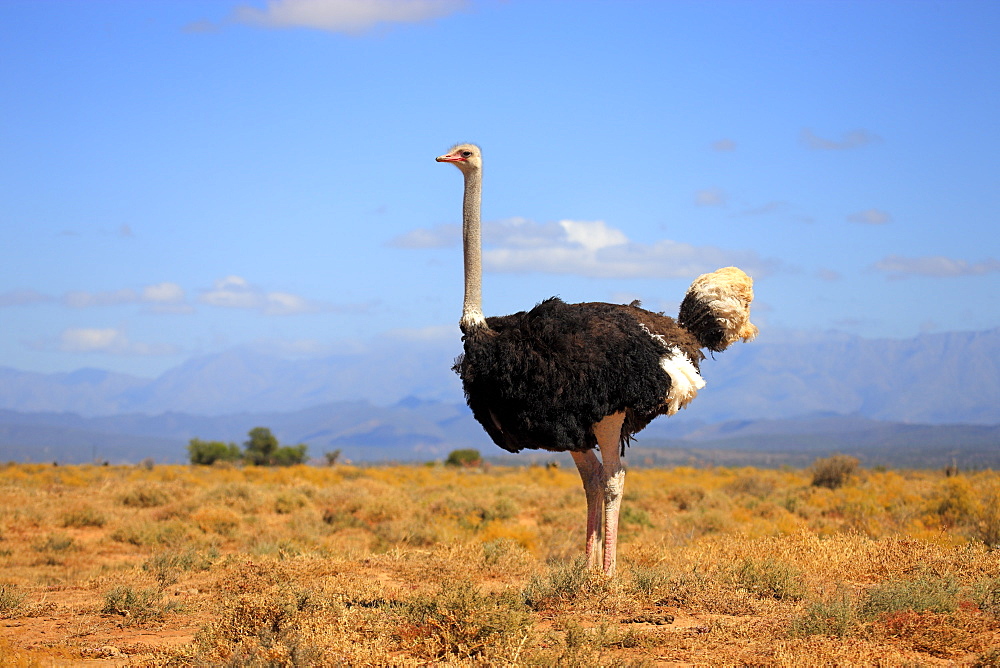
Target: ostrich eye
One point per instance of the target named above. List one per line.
(466, 154)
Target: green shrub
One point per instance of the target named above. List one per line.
(920, 595)
(206, 453)
(465, 458)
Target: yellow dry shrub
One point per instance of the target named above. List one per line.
(217, 520)
(955, 502)
(525, 536)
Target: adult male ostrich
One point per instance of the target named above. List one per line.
(575, 377)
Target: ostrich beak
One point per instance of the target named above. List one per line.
(450, 157)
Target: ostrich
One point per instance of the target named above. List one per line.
(579, 377)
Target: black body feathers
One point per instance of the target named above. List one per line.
(542, 378)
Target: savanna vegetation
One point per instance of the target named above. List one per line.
(329, 566)
(260, 449)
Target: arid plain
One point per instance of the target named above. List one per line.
(420, 565)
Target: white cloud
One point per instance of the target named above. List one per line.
(83, 299)
(853, 139)
(237, 292)
(163, 293)
(938, 266)
(233, 292)
(284, 303)
(347, 16)
(77, 339)
(440, 236)
(108, 340)
(592, 235)
(163, 297)
(870, 217)
(593, 249)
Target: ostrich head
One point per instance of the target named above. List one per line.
(467, 157)
(716, 308)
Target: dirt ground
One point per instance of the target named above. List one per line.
(181, 566)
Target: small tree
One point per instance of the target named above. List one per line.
(332, 457)
(263, 449)
(289, 455)
(465, 458)
(208, 452)
(260, 448)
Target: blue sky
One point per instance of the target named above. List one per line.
(181, 178)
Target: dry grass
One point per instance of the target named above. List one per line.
(301, 566)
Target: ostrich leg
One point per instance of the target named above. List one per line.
(593, 485)
(609, 432)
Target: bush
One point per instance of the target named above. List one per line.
(833, 472)
(464, 458)
(460, 621)
(137, 606)
(835, 616)
(769, 578)
(925, 594)
(10, 599)
(261, 449)
(289, 455)
(144, 496)
(207, 453)
(84, 516)
(563, 583)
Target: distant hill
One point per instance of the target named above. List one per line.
(949, 378)
(930, 379)
(914, 402)
(417, 430)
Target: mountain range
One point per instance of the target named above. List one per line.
(403, 403)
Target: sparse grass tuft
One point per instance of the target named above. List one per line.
(649, 581)
(144, 496)
(55, 542)
(84, 516)
(769, 578)
(137, 606)
(925, 594)
(166, 566)
(833, 616)
(458, 621)
(10, 600)
(562, 583)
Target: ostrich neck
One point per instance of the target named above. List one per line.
(472, 309)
